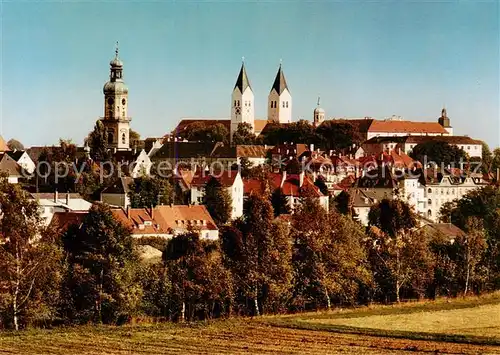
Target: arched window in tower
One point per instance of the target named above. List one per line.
(287, 104)
(283, 104)
(110, 137)
(124, 139)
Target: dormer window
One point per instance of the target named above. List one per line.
(148, 223)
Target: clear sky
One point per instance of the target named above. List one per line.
(181, 59)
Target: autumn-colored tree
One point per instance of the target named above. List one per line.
(101, 284)
(329, 257)
(29, 260)
(14, 144)
(218, 201)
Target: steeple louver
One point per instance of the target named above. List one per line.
(280, 82)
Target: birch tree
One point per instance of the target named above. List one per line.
(26, 255)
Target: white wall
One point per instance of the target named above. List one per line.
(282, 113)
(245, 102)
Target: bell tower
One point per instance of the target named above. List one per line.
(242, 101)
(444, 121)
(116, 120)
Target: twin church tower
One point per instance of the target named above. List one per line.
(117, 122)
(279, 102)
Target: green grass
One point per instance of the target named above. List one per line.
(418, 321)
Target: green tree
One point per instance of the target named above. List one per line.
(146, 192)
(97, 142)
(218, 201)
(101, 284)
(321, 184)
(201, 132)
(134, 139)
(439, 152)
(29, 260)
(334, 135)
(329, 257)
(393, 247)
(200, 283)
(245, 167)
(495, 161)
(258, 252)
(244, 134)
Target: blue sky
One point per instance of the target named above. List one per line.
(181, 59)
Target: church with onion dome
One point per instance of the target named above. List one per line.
(116, 120)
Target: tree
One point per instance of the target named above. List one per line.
(439, 152)
(28, 258)
(134, 138)
(245, 167)
(280, 202)
(495, 162)
(146, 192)
(14, 144)
(329, 258)
(337, 136)
(100, 284)
(244, 134)
(320, 183)
(200, 283)
(258, 252)
(393, 244)
(472, 247)
(97, 142)
(201, 132)
(218, 201)
(487, 158)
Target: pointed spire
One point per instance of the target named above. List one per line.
(444, 114)
(242, 82)
(318, 100)
(280, 82)
(116, 50)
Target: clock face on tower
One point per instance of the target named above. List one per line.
(237, 111)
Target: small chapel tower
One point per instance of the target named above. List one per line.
(318, 116)
(242, 102)
(116, 120)
(444, 121)
(279, 103)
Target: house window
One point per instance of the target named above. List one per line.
(429, 190)
(429, 213)
(429, 202)
(124, 139)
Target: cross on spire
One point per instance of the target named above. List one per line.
(318, 100)
(116, 49)
(243, 60)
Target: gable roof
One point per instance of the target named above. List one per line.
(3, 145)
(120, 186)
(9, 165)
(259, 125)
(61, 221)
(393, 126)
(182, 150)
(15, 154)
(226, 177)
(280, 82)
(448, 229)
(242, 82)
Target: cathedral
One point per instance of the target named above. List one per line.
(279, 102)
(116, 120)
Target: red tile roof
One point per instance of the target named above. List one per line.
(61, 221)
(226, 177)
(406, 127)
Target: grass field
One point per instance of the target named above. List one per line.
(468, 326)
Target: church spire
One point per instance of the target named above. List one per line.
(280, 82)
(242, 82)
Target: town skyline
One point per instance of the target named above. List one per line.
(365, 68)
